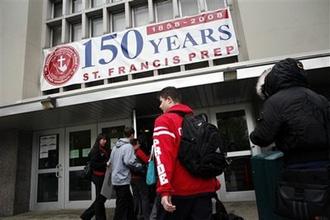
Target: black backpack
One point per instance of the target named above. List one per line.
(201, 150)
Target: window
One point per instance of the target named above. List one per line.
(56, 35)
(118, 22)
(163, 10)
(235, 132)
(76, 6)
(188, 7)
(113, 1)
(97, 3)
(239, 176)
(96, 27)
(75, 32)
(140, 16)
(215, 4)
(57, 9)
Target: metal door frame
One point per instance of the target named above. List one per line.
(34, 205)
(67, 168)
(241, 195)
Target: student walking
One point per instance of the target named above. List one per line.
(183, 196)
(98, 157)
(123, 159)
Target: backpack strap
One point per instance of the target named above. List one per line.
(182, 114)
(152, 153)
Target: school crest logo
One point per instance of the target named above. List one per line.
(61, 65)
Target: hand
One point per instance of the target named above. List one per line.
(167, 203)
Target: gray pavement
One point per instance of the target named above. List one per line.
(247, 210)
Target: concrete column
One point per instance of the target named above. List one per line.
(23, 172)
(8, 161)
(15, 166)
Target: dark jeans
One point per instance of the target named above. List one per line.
(124, 203)
(141, 198)
(97, 208)
(155, 208)
(188, 208)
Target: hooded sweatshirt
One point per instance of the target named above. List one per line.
(173, 178)
(122, 159)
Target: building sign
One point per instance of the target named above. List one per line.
(181, 41)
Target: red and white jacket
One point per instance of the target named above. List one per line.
(173, 178)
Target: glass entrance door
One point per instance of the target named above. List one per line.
(78, 142)
(47, 170)
(59, 157)
(235, 124)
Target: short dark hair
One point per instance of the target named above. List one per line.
(128, 131)
(170, 92)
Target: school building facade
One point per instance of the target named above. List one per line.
(70, 69)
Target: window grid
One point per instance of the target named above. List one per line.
(80, 28)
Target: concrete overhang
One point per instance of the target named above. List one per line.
(98, 97)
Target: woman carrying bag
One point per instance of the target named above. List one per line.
(98, 157)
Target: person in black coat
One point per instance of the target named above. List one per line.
(98, 157)
(293, 116)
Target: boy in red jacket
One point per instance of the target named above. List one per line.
(183, 196)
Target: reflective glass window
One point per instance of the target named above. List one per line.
(141, 16)
(164, 10)
(76, 6)
(57, 9)
(76, 32)
(80, 188)
(113, 133)
(189, 7)
(118, 22)
(239, 176)
(56, 35)
(234, 130)
(47, 187)
(97, 27)
(48, 151)
(97, 3)
(215, 4)
(80, 145)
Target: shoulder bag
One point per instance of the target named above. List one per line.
(151, 177)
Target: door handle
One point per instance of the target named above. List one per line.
(58, 170)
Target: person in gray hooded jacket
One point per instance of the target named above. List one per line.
(122, 160)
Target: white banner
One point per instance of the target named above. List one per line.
(187, 40)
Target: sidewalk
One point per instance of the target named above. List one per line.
(247, 210)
